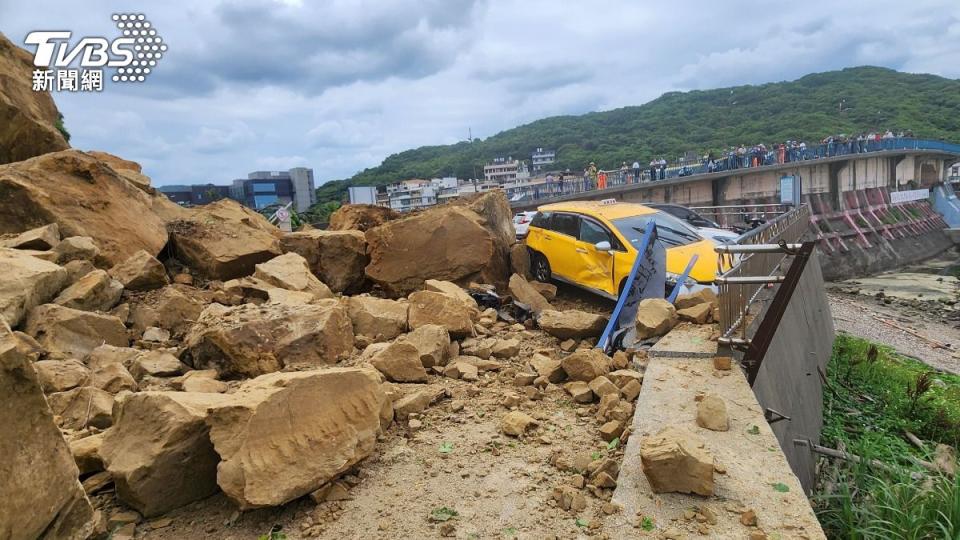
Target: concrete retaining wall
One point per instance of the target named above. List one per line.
(789, 380)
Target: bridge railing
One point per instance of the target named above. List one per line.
(576, 182)
(761, 265)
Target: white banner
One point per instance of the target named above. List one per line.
(897, 197)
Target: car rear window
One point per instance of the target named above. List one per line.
(567, 224)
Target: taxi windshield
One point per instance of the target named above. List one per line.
(670, 230)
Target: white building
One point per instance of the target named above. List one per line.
(503, 170)
(542, 159)
(363, 194)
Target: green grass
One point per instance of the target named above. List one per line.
(872, 398)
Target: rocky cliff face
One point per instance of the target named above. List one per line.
(28, 119)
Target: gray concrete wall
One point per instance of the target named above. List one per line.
(789, 381)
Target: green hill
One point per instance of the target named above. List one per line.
(805, 109)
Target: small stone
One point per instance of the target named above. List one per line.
(448, 530)
(748, 518)
(524, 378)
(712, 414)
(155, 334)
(758, 535)
(631, 390)
(414, 425)
(578, 481)
(516, 423)
(610, 508)
(603, 480)
(602, 386)
(161, 523)
(568, 345)
(611, 430)
(579, 391)
(722, 362)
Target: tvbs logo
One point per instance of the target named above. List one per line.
(133, 55)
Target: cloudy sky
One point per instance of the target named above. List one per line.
(338, 85)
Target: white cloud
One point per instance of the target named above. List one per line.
(340, 84)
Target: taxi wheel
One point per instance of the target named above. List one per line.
(541, 268)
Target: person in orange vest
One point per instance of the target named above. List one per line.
(602, 180)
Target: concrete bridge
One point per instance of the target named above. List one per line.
(859, 228)
(901, 164)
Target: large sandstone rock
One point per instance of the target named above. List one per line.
(377, 318)
(571, 323)
(84, 197)
(428, 307)
(360, 217)
(96, 291)
(74, 248)
(586, 365)
(703, 296)
(494, 210)
(159, 451)
(174, 308)
(42, 497)
(224, 240)
(250, 340)
(26, 282)
(336, 257)
(400, 362)
(433, 343)
(72, 333)
(675, 460)
(655, 317)
(39, 239)
(446, 243)
(520, 260)
(141, 272)
(291, 272)
(82, 407)
(28, 119)
(268, 460)
(524, 293)
(452, 290)
(61, 375)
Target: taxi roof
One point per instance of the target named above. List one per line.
(605, 209)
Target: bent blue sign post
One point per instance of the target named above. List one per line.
(647, 279)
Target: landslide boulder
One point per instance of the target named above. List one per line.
(95, 291)
(400, 362)
(159, 451)
(291, 272)
(28, 119)
(141, 272)
(377, 318)
(71, 333)
(571, 323)
(360, 217)
(224, 240)
(40, 239)
(336, 257)
(26, 283)
(675, 460)
(522, 292)
(41, 494)
(446, 243)
(427, 307)
(269, 457)
(84, 197)
(655, 317)
(174, 308)
(586, 365)
(250, 340)
(433, 343)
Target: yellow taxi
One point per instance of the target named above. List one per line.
(592, 244)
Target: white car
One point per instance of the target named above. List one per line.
(521, 222)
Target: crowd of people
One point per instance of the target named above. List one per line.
(736, 157)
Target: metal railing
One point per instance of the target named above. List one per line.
(724, 162)
(763, 252)
(744, 214)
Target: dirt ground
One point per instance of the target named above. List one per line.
(499, 486)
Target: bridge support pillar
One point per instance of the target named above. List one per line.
(834, 173)
(718, 186)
